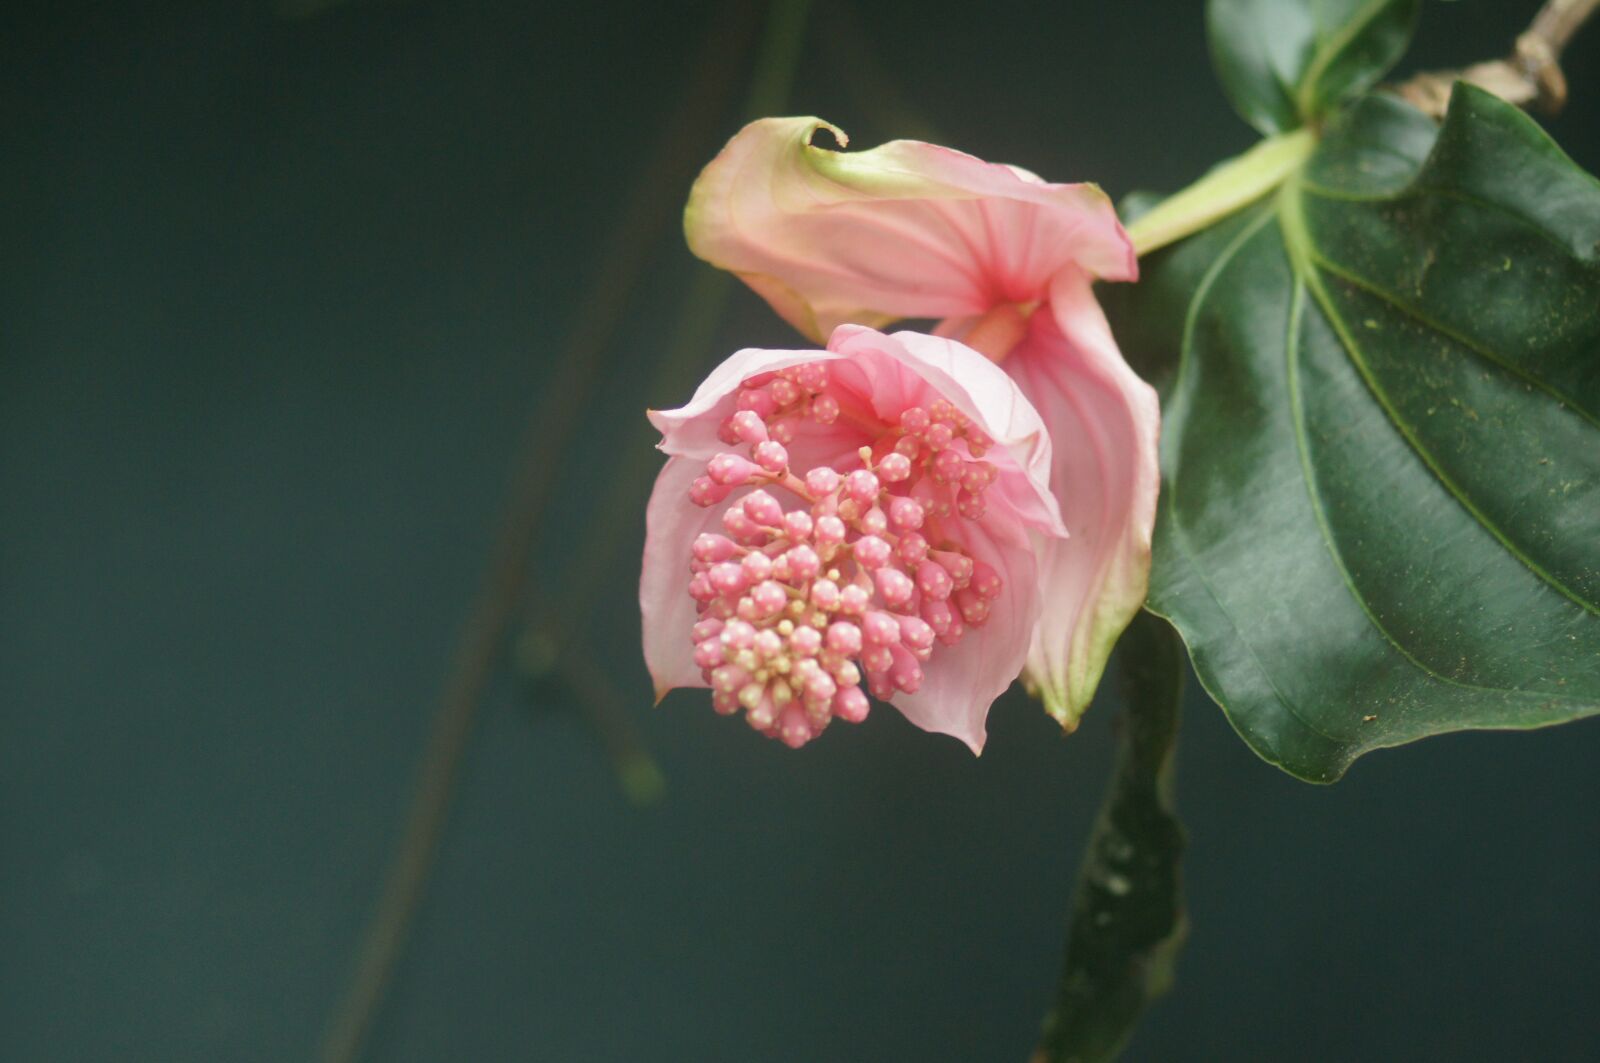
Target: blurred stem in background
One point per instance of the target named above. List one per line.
(557, 635)
(1127, 921)
(653, 205)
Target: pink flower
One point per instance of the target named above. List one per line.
(868, 512)
(1007, 262)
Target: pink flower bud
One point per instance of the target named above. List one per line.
(862, 486)
(792, 726)
(805, 641)
(850, 704)
(707, 492)
(708, 653)
(911, 549)
(705, 629)
(894, 468)
(822, 481)
(756, 567)
(729, 579)
(769, 598)
(876, 660)
(830, 531)
(738, 635)
(763, 509)
(797, 525)
(974, 608)
(986, 581)
(825, 595)
(729, 679)
(853, 599)
(880, 629)
(747, 427)
(938, 614)
(844, 638)
(758, 400)
(894, 586)
(711, 548)
(783, 392)
(916, 634)
(742, 528)
(872, 552)
(947, 465)
(730, 470)
(772, 456)
(958, 565)
(905, 514)
(804, 564)
(905, 672)
(812, 376)
(933, 581)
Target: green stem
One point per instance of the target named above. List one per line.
(1228, 187)
(1127, 916)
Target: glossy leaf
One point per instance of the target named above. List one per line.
(1127, 919)
(1285, 63)
(1381, 456)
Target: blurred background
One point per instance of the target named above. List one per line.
(282, 289)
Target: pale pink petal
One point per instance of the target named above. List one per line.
(968, 677)
(906, 229)
(671, 524)
(1103, 422)
(691, 429)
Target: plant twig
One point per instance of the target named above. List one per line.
(649, 209)
(1530, 77)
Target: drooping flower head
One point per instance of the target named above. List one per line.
(1006, 261)
(867, 514)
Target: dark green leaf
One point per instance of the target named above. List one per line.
(1127, 918)
(1381, 512)
(1285, 63)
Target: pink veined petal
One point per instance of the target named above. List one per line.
(1104, 422)
(906, 229)
(956, 695)
(981, 390)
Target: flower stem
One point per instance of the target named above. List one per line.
(1228, 187)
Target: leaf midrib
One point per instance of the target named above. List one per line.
(1314, 491)
(1297, 240)
(1325, 55)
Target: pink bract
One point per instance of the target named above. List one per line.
(1006, 261)
(866, 513)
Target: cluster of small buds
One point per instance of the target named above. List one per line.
(860, 580)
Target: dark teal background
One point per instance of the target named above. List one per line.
(276, 297)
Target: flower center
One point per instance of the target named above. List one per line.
(998, 332)
(858, 577)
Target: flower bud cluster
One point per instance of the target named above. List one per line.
(829, 577)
